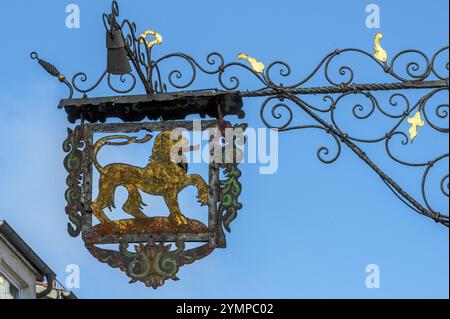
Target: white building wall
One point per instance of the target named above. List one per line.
(17, 270)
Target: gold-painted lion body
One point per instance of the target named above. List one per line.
(161, 177)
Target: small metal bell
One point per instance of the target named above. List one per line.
(117, 55)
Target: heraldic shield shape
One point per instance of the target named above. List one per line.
(151, 247)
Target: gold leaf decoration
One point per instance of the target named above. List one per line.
(158, 38)
(415, 121)
(380, 54)
(257, 66)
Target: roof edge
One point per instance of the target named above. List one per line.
(10, 234)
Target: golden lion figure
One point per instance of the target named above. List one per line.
(161, 177)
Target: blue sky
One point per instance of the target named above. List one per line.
(307, 231)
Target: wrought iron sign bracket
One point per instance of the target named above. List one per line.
(169, 97)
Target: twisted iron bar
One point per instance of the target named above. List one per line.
(345, 88)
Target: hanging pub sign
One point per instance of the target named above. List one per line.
(147, 246)
(160, 241)
(150, 246)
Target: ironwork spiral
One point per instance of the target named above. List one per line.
(335, 100)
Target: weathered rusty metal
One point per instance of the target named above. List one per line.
(166, 106)
(152, 264)
(231, 188)
(162, 176)
(73, 164)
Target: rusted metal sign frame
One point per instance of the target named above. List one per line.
(152, 261)
(215, 237)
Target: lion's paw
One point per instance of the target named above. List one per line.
(179, 220)
(203, 198)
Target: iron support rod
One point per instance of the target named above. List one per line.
(344, 88)
(130, 54)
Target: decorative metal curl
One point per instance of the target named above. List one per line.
(425, 175)
(151, 263)
(286, 126)
(83, 78)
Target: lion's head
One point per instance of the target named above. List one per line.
(170, 146)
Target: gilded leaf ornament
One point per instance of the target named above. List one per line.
(257, 66)
(415, 121)
(157, 38)
(380, 54)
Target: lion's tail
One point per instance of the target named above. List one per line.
(108, 141)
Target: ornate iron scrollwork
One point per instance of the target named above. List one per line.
(151, 264)
(231, 188)
(409, 69)
(72, 163)
(153, 261)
